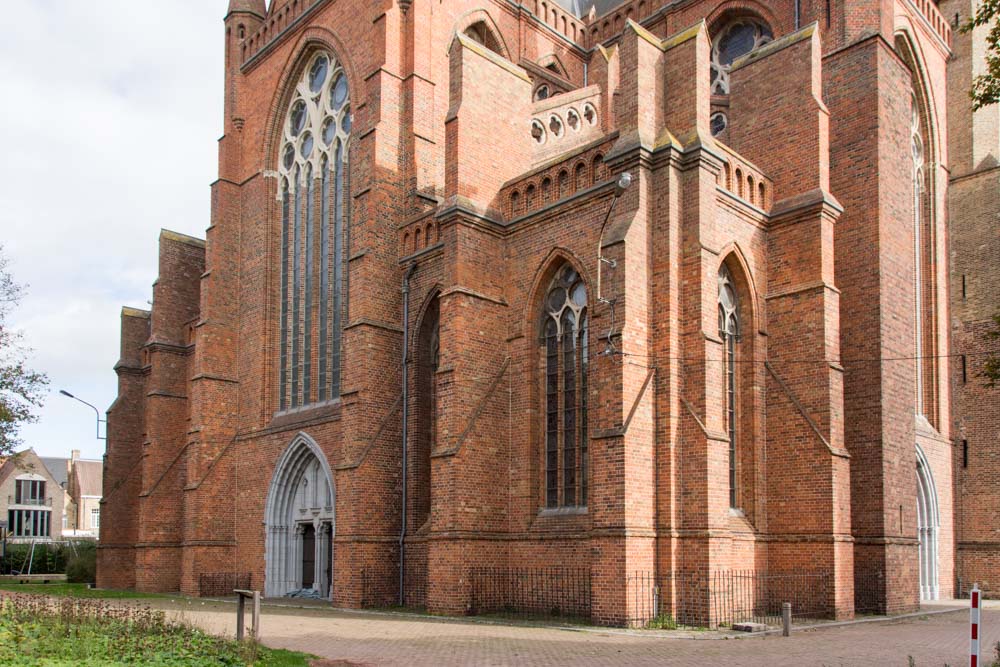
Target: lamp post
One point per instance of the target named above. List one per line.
(92, 407)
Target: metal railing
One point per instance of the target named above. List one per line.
(563, 593)
(699, 599)
(724, 598)
(30, 502)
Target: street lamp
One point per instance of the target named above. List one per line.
(96, 412)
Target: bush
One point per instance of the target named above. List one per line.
(52, 558)
(81, 568)
(47, 559)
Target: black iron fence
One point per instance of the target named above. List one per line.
(222, 584)
(551, 593)
(693, 599)
(725, 598)
(964, 589)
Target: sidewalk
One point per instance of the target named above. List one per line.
(362, 638)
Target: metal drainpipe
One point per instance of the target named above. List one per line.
(798, 13)
(406, 418)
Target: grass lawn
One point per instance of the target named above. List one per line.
(74, 591)
(66, 631)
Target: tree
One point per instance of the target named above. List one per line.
(986, 87)
(21, 389)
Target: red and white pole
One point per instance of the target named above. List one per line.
(974, 622)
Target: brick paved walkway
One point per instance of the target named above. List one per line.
(382, 639)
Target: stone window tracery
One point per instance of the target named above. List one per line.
(737, 38)
(312, 169)
(729, 332)
(917, 151)
(718, 123)
(565, 350)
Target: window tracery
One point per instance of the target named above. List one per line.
(917, 151)
(311, 167)
(729, 332)
(565, 348)
(737, 38)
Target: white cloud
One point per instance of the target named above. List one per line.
(109, 127)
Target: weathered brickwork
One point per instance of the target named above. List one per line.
(467, 193)
(974, 231)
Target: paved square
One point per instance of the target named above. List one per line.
(348, 638)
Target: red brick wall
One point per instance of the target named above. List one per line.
(441, 139)
(974, 229)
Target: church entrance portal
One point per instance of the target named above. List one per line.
(927, 528)
(300, 524)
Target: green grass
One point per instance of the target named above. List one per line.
(58, 632)
(662, 622)
(74, 591)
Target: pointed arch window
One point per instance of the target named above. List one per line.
(565, 351)
(729, 332)
(917, 151)
(736, 38)
(312, 169)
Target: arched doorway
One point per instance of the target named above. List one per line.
(300, 523)
(927, 528)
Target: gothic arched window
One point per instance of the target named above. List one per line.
(736, 38)
(917, 150)
(312, 168)
(729, 332)
(565, 349)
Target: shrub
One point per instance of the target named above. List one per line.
(47, 559)
(81, 568)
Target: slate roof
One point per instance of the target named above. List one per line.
(56, 468)
(581, 8)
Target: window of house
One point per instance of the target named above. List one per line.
(565, 363)
(729, 332)
(736, 38)
(29, 492)
(95, 518)
(314, 227)
(28, 523)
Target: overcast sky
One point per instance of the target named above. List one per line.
(110, 116)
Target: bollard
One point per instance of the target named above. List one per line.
(786, 619)
(974, 626)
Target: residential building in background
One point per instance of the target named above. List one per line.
(85, 488)
(32, 499)
(80, 480)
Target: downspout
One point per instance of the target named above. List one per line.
(798, 13)
(406, 419)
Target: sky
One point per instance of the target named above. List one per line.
(110, 117)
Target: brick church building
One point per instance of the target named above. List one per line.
(632, 286)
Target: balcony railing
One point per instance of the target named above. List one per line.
(30, 502)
